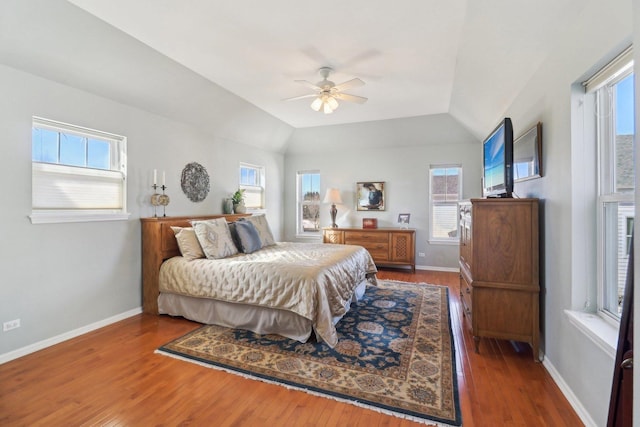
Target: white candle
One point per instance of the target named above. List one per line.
(155, 177)
(163, 178)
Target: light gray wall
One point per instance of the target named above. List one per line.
(64, 276)
(594, 37)
(58, 278)
(398, 152)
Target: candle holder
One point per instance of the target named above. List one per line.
(159, 200)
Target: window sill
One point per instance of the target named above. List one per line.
(598, 330)
(308, 236)
(452, 242)
(65, 217)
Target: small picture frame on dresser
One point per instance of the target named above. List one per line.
(403, 220)
(369, 223)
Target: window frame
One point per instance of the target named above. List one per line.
(600, 88)
(432, 203)
(44, 172)
(300, 203)
(259, 187)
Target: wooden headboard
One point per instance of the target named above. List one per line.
(158, 244)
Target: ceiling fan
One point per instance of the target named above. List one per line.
(326, 92)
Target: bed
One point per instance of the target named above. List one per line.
(290, 289)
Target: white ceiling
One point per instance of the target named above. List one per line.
(468, 58)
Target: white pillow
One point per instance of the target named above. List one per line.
(261, 224)
(188, 243)
(215, 238)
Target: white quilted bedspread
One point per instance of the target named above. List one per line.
(314, 280)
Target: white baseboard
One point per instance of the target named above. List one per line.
(66, 336)
(428, 267)
(568, 393)
(557, 378)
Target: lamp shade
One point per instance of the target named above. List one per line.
(332, 196)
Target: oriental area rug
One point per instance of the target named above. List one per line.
(395, 355)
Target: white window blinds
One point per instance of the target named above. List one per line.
(68, 187)
(78, 174)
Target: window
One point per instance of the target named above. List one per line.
(252, 182)
(78, 174)
(445, 190)
(308, 201)
(613, 90)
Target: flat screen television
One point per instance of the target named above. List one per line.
(497, 165)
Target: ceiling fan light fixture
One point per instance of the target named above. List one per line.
(327, 93)
(332, 102)
(317, 104)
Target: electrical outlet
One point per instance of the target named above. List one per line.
(11, 324)
(421, 254)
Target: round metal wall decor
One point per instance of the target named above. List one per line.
(195, 182)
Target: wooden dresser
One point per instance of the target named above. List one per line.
(387, 246)
(499, 269)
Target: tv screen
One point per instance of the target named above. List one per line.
(497, 180)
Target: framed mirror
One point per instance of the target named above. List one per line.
(527, 154)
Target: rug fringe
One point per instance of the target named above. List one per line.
(315, 393)
(400, 282)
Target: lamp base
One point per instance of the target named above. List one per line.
(333, 213)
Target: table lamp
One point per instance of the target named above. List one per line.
(333, 196)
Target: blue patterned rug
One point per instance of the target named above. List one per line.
(395, 355)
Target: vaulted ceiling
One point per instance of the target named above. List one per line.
(468, 58)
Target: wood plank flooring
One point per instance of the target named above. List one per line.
(111, 377)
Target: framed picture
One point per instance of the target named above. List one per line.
(527, 155)
(370, 196)
(369, 223)
(403, 220)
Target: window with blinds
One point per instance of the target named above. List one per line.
(252, 182)
(445, 191)
(78, 174)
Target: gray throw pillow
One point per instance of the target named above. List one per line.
(249, 237)
(234, 235)
(264, 231)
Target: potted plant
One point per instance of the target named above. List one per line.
(238, 201)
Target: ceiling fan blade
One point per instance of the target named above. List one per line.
(310, 95)
(309, 85)
(349, 84)
(351, 98)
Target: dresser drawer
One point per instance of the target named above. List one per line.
(360, 238)
(466, 293)
(379, 251)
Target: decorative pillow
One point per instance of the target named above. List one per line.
(261, 224)
(215, 238)
(249, 237)
(188, 243)
(234, 236)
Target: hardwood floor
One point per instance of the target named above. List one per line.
(111, 377)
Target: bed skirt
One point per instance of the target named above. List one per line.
(261, 320)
